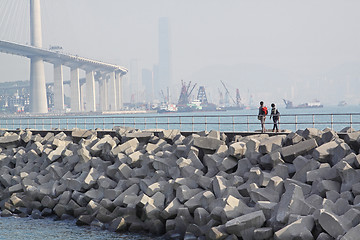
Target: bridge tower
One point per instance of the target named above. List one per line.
(38, 100)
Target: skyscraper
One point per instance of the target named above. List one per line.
(164, 72)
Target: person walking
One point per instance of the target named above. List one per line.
(275, 115)
(262, 116)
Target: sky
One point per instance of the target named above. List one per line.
(270, 49)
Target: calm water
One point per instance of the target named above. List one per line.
(15, 228)
(226, 121)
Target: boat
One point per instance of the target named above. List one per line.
(167, 108)
(342, 104)
(313, 104)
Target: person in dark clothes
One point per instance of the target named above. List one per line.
(275, 115)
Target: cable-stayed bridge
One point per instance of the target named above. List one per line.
(108, 75)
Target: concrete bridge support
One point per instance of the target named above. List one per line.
(90, 92)
(103, 93)
(58, 88)
(118, 90)
(112, 93)
(38, 100)
(75, 90)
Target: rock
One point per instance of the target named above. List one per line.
(333, 224)
(207, 143)
(251, 220)
(289, 153)
(300, 229)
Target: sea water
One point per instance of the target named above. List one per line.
(225, 121)
(15, 228)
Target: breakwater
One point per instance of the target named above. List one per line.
(302, 185)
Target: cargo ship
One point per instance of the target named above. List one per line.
(314, 104)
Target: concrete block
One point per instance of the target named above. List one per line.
(270, 160)
(207, 143)
(105, 182)
(306, 189)
(133, 189)
(293, 138)
(352, 139)
(84, 154)
(194, 202)
(208, 198)
(250, 220)
(300, 229)
(334, 225)
(263, 233)
(185, 181)
(60, 209)
(349, 176)
(195, 161)
(125, 171)
(338, 153)
(171, 209)
(156, 227)
(77, 134)
(91, 178)
(271, 144)
(252, 146)
(99, 145)
(329, 135)
(134, 159)
(292, 202)
(118, 225)
(48, 202)
(312, 133)
(326, 185)
(321, 173)
(184, 193)
(219, 186)
(233, 208)
(217, 233)
(267, 208)
(132, 143)
(201, 216)
(228, 163)
(10, 140)
(25, 136)
(289, 153)
(323, 152)
(169, 134)
(212, 161)
(262, 194)
(237, 149)
(84, 220)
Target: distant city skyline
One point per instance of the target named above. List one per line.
(299, 50)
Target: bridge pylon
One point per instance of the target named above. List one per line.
(38, 100)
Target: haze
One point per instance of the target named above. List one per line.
(269, 49)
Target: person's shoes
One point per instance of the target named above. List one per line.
(273, 130)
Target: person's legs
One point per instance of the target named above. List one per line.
(276, 125)
(263, 125)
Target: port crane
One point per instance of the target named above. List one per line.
(185, 93)
(227, 91)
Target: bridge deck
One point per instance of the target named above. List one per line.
(54, 57)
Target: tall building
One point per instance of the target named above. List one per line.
(147, 81)
(163, 80)
(135, 84)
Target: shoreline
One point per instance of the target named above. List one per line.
(203, 185)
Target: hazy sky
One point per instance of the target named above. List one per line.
(270, 49)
